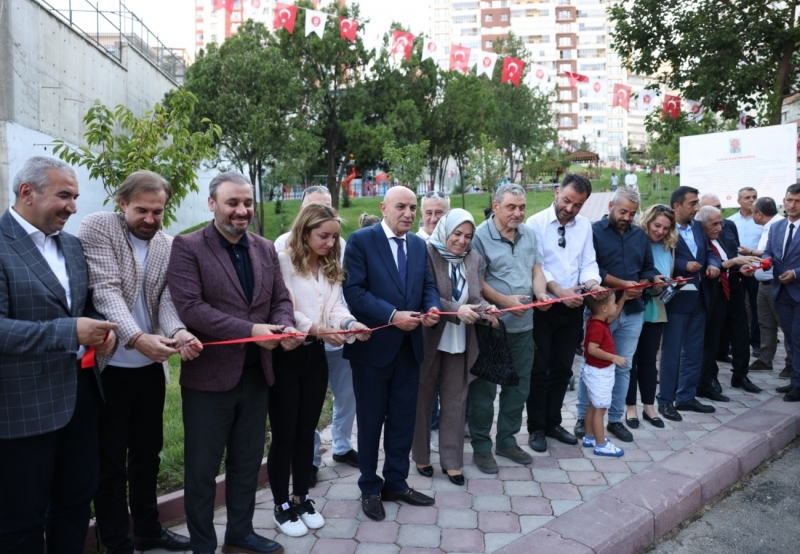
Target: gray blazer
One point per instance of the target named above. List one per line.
(38, 333)
(441, 276)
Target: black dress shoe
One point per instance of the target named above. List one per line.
(426, 471)
(168, 541)
(785, 388)
(716, 385)
(619, 431)
(632, 422)
(562, 435)
(409, 496)
(580, 428)
(372, 506)
(724, 359)
(713, 395)
(312, 479)
(537, 441)
(793, 395)
(252, 543)
(455, 479)
(669, 412)
(694, 406)
(654, 421)
(350, 458)
(746, 384)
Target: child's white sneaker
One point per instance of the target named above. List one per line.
(608, 449)
(288, 521)
(308, 515)
(589, 443)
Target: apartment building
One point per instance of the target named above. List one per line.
(562, 35)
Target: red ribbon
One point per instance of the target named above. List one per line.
(88, 360)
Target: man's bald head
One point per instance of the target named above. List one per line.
(399, 208)
(319, 196)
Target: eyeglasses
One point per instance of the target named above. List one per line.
(432, 193)
(562, 241)
(315, 188)
(662, 208)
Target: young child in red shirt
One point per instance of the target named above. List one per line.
(598, 373)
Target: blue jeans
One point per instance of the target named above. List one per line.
(340, 381)
(681, 356)
(625, 330)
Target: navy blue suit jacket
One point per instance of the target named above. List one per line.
(373, 292)
(684, 302)
(774, 250)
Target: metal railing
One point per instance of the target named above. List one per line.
(110, 25)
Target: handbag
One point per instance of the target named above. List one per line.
(495, 362)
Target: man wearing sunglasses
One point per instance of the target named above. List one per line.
(570, 268)
(434, 205)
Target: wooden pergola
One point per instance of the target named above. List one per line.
(583, 156)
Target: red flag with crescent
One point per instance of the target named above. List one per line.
(285, 17)
(575, 78)
(671, 107)
(622, 97)
(402, 43)
(459, 58)
(219, 4)
(348, 28)
(512, 70)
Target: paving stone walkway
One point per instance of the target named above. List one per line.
(491, 512)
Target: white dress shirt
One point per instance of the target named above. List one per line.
(576, 263)
(393, 243)
(761, 274)
(749, 231)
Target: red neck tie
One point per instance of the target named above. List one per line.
(723, 274)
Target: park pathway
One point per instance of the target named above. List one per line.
(527, 508)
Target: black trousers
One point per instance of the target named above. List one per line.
(233, 422)
(131, 438)
(555, 333)
(47, 482)
(295, 403)
(644, 372)
(730, 315)
(386, 400)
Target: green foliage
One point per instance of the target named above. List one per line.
(487, 163)
(730, 55)
(160, 141)
(664, 134)
(406, 163)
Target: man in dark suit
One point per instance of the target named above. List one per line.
(388, 281)
(727, 308)
(226, 284)
(48, 404)
(682, 343)
(783, 247)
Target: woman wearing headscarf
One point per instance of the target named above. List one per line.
(451, 347)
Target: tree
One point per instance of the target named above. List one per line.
(729, 54)
(159, 141)
(487, 163)
(406, 163)
(664, 134)
(254, 94)
(524, 121)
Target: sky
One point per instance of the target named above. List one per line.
(173, 20)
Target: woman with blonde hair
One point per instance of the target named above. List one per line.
(313, 274)
(659, 223)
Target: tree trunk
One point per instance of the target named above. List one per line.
(255, 179)
(781, 84)
(511, 173)
(333, 186)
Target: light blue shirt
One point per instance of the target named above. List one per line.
(662, 259)
(688, 237)
(749, 231)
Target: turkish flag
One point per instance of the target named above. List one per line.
(742, 120)
(402, 43)
(597, 88)
(429, 49)
(671, 107)
(486, 63)
(315, 22)
(219, 4)
(512, 70)
(538, 75)
(459, 58)
(695, 110)
(575, 78)
(285, 16)
(348, 28)
(622, 97)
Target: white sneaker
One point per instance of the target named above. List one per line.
(435, 440)
(312, 518)
(608, 449)
(288, 521)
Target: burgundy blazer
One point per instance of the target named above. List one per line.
(211, 303)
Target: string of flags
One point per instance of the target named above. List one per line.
(461, 59)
